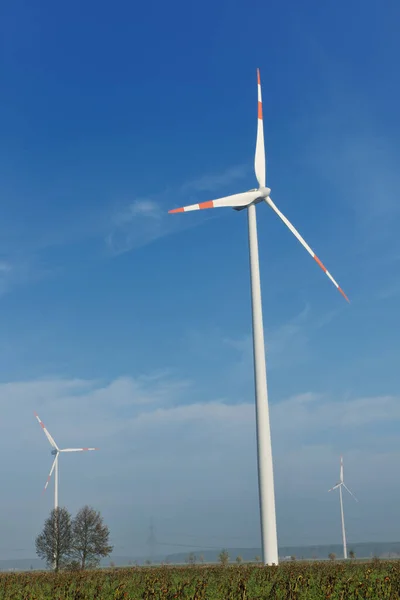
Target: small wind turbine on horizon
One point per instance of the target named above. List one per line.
(56, 453)
(239, 202)
(341, 485)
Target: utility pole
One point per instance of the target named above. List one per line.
(152, 541)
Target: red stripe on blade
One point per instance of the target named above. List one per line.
(209, 204)
(320, 263)
(176, 210)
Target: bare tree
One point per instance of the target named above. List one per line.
(332, 556)
(239, 560)
(223, 557)
(55, 542)
(89, 538)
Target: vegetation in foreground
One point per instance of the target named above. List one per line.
(291, 581)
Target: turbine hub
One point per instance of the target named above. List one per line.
(264, 192)
(54, 452)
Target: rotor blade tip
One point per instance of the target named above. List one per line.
(175, 210)
(344, 295)
(258, 76)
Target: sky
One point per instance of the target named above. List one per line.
(129, 329)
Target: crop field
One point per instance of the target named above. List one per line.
(294, 581)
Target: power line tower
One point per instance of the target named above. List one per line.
(152, 541)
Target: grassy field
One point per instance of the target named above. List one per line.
(294, 581)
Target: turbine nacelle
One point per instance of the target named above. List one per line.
(262, 194)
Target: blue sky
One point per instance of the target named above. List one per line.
(129, 329)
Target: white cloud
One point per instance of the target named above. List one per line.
(19, 270)
(138, 208)
(145, 220)
(142, 223)
(154, 409)
(361, 167)
(215, 181)
(6, 277)
(164, 453)
(285, 344)
(392, 290)
(5, 267)
(315, 413)
(135, 223)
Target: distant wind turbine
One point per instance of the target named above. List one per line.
(340, 485)
(56, 452)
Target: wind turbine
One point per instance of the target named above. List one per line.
(341, 485)
(264, 451)
(56, 453)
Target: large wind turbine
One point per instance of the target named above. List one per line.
(341, 485)
(56, 452)
(264, 452)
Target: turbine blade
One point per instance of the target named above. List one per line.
(52, 442)
(335, 487)
(51, 471)
(351, 493)
(235, 200)
(77, 449)
(259, 159)
(304, 244)
(341, 469)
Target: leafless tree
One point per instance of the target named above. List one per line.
(55, 542)
(90, 538)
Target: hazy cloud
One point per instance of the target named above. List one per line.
(285, 344)
(145, 220)
(215, 181)
(159, 450)
(5, 267)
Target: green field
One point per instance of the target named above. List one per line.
(291, 581)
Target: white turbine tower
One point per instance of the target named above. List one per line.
(56, 452)
(264, 452)
(341, 485)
